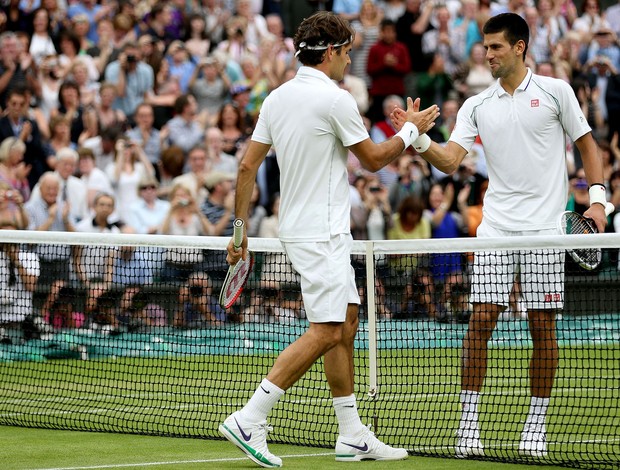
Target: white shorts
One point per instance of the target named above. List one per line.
(541, 273)
(327, 277)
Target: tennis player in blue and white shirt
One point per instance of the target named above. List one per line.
(312, 123)
(522, 121)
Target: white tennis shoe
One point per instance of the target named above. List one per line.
(366, 446)
(533, 442)
(468, 443)
(251, 439)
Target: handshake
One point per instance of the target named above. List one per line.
(413, 124)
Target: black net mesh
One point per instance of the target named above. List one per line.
(134, 341)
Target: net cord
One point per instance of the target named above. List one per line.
(443, 245)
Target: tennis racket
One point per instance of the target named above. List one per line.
(237, 275)
(572, 223)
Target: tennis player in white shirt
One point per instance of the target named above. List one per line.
(522, 120)
(312, 123)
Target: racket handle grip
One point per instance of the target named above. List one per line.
(238, 232)
(609, 208)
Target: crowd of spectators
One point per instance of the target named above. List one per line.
(131, 116)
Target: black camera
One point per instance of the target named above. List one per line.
(196, 291)
(131, 59)
(374, 189)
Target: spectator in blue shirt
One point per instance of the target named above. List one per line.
(133, 78)
(131, 265)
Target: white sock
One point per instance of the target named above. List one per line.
(349, 420)
(538, 412)
(469, 403)
(264, 399)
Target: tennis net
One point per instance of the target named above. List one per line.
(150, 352)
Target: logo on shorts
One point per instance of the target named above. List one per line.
(553, 298)
(534, 103)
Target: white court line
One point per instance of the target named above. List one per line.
(509, 445)
(177, 462)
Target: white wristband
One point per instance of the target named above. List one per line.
(422, 143)
(598, 194)
(409, 133)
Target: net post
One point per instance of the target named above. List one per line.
(372, 320)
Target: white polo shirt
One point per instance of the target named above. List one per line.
(524, 140)
(311, 121)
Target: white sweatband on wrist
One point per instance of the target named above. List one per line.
(408, 133)
(422, 143)
(598, 194)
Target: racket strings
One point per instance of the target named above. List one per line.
(575, 224)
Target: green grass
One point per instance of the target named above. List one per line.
(417, 406)
(40, 449)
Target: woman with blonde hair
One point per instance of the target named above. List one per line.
(12, 210)
(366, 34)
(13, 170)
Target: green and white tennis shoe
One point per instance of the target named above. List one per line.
(366, 446)
(251, 439)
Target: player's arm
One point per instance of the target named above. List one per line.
(246, 176)
(593, 167)
(446, 159)
(373, 156)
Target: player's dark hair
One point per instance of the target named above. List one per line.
(320, 30)
(512, 25)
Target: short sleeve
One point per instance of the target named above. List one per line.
(346, 121)
(261, 132)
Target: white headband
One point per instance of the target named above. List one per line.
(321, 46)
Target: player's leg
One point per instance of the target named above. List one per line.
(482, 322)
(338, 360)
(475, 345)
(544, 361)
(543, 291)
(492, 279)
(325, 301)
(355, 441)
(247, 428)
(543, 366)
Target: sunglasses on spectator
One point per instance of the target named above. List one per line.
(150, 186)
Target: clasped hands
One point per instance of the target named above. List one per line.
(424, 120)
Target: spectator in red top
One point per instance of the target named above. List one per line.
(388, 63)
